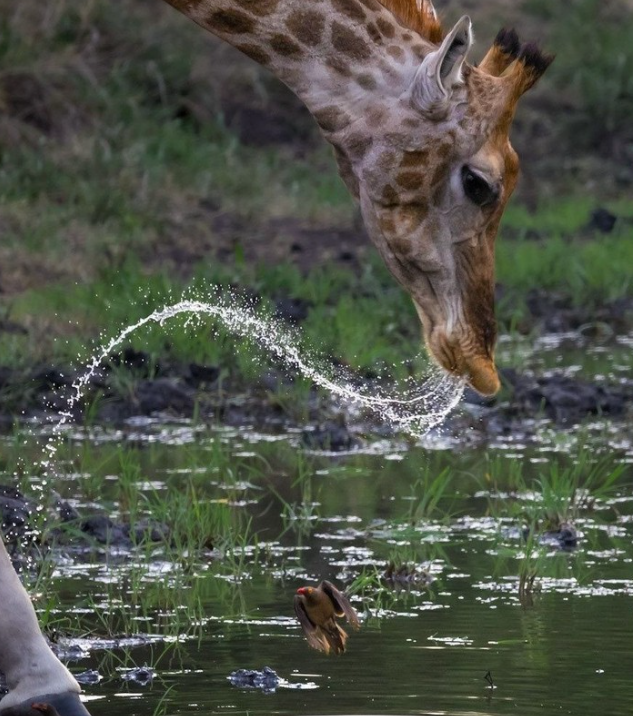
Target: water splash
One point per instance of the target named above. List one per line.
(414, 410)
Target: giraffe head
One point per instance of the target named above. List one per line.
(421, 137)
(424, 147)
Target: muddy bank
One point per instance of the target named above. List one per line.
(131, 386)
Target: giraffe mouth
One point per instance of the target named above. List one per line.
(458, 356)
(477, 369)
(479, 372)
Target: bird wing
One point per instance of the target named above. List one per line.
(314, 634)
(342, 606)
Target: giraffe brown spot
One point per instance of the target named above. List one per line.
(386, 160)
(331, 119)
(255, 53)
(374, 33)
(259, 7)
(396, 52)
(338, 65)
(411, 122)
(417, 158)
(366, 81)
(397, 138)
(347, 172)
(444, 150)
(376, 118)
(400, 246)
(349, 42)
(411, 181)
(358, 145)
(350, 8)
(413, 215)
(419, 50)
(284, 45)
(231, 22)
(387, 28)
(438, 194)
(438, 175)
(407, 37)
(389, 196)
(306, 26)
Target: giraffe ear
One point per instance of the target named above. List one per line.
(441, 70)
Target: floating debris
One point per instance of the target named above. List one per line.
(266, 680)
(90, 676)
(141, 675)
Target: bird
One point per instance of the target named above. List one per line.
(316, 609)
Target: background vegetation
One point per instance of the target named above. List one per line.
(138, 156)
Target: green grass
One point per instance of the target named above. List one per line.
(589, 272)
(593, 68)
(555, 493)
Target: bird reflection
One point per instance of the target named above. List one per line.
(316, 609)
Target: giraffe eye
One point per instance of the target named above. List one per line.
(477, 189)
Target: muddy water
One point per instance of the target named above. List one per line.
(425, 646)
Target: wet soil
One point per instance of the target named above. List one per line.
(131, 384)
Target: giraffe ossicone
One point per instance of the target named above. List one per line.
(420, 136)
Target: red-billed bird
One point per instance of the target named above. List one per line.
(316, 609)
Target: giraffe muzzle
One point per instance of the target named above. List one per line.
(476, 368)
(481, 374)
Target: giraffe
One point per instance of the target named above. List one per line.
(33, 673)
(420, 136)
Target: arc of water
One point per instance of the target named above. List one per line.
(436, 396)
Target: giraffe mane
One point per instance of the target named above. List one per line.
(419, 15)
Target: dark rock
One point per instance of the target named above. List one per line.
(564, 538)
(141, 675)
(567, 400)
(147, 531)
(47, 377)
(7, 376)
(91, 676)
(266, 680)
(67, 512)
(331, 436)
(7, 326)
(163, 395)
(618, 314)
(27, 99)
(138, 361)
(15, 511)
(602, 220)
(274, 380)
(203, 373)
(406, 575)
(103, 530)
(293, 310)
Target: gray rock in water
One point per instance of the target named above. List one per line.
(266, 680)
(141, 675)
(90, 676)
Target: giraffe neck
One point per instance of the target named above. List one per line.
(338, 56)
